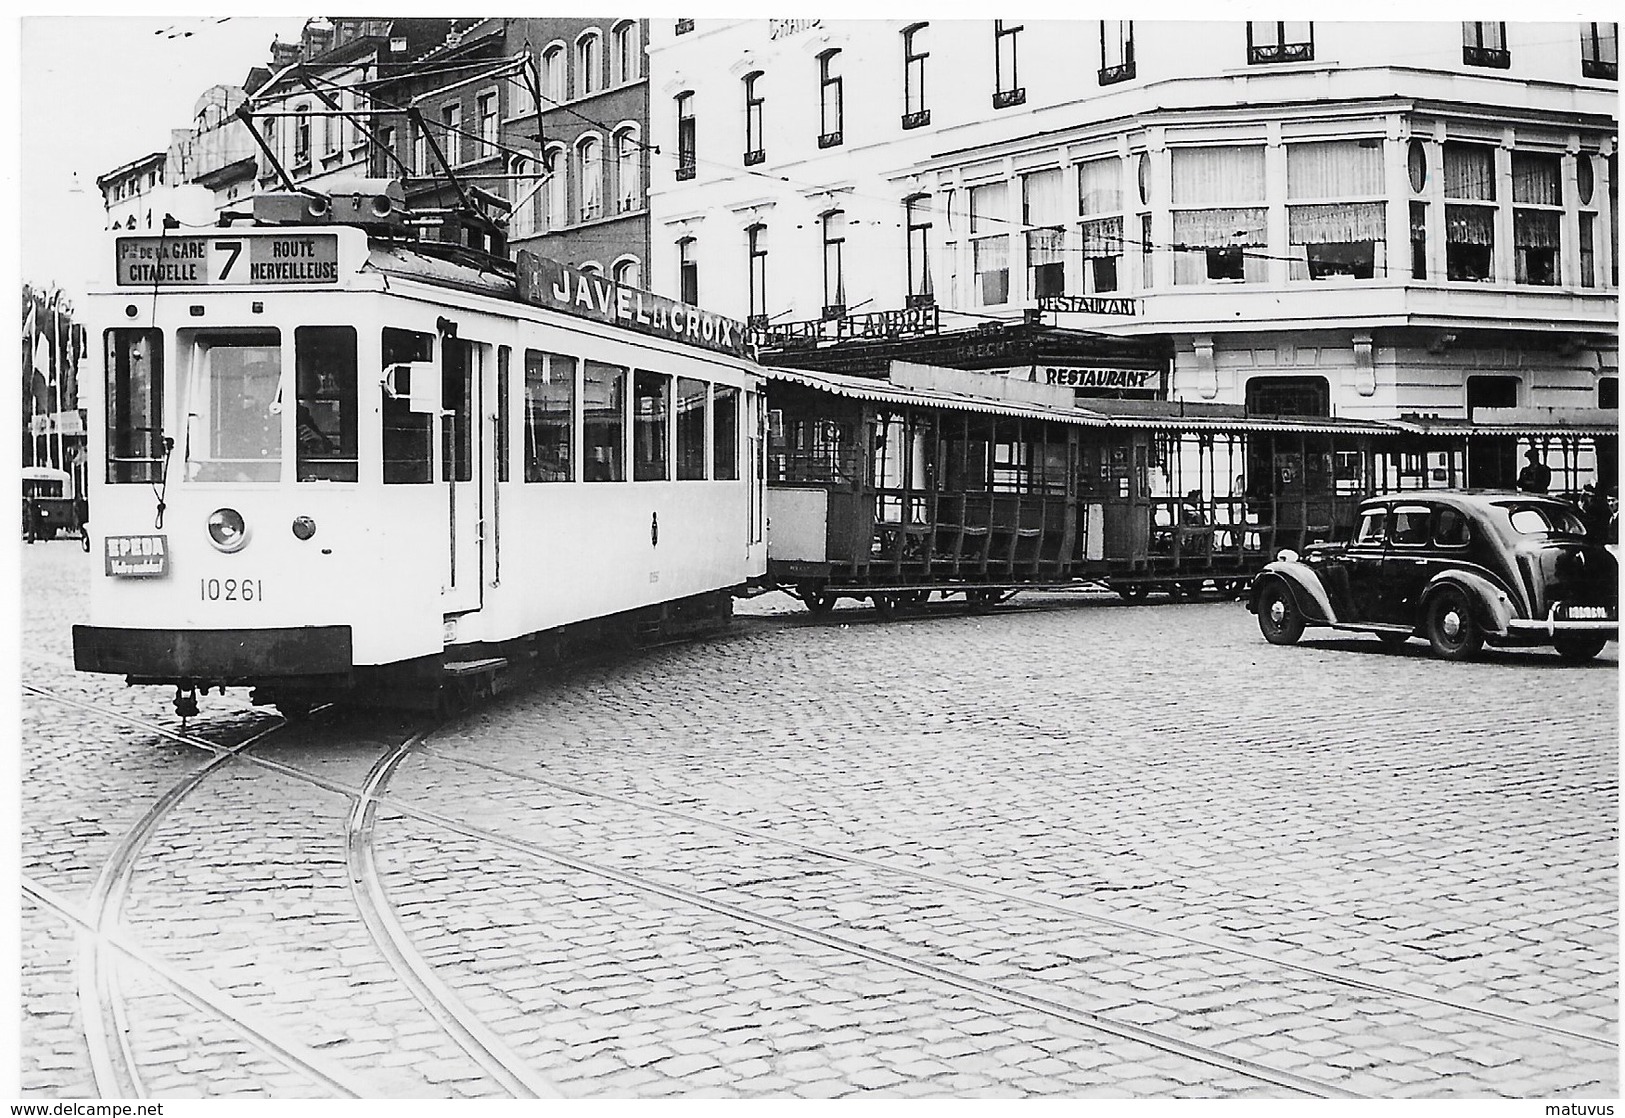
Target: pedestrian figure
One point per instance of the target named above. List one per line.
(31, 527)
(1535, 477)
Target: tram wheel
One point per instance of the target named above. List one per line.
(1132, 591)
(819, 602)
(885, 606)
(980, 601)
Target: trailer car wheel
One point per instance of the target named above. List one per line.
(1131, 591)
(1451, 629)
(1577, 648)
(885, 606)
(1279, 618)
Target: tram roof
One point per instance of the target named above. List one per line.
(409, 262)
(880, 391)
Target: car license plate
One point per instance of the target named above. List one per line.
(1586, 613)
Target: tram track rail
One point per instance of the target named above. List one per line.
(108, 1034)
(374, 795)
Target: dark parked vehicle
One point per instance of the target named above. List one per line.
(1459, 568)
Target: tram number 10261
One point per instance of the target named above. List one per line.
(230, 589)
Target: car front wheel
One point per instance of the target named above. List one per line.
(1451, 629)
(1577, 648)
(1279, 618)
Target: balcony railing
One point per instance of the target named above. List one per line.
(917, 120)
(1111, 75)
(684, 26)
(752, 158)
(1282, 52)
(1004, 98)
(685, 167)
(829, 140)
(1493, 57)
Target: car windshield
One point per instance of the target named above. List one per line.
(1534, 520)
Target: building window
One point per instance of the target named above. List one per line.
(628, 273)
(1280, 41)
(1608, 393)
(1043, 222)
(688, 272)
(1599, 50)
(301, 135)
(1485, 44)
(330, 133)
(1537, 218)
(754, 152)
(683, 26)
(589, 66)
(685, 135)
(1288, 396)
(830, 108)
(990, 243)
(1100, 204)
(590, 167)
(527, 184)
(625, 53)
(1419, 240)
(1007, 88)
(918, 212)
(487, 104)
(555, 207)
(1469, 241)
(553, 74)
(834, 224)
(756, 238)
(1226, 238)
(386, 147)
(451, 121)
(420, 147)
(1336, 220)
(915, 114)
(1116, 50)
(628, 171)
(1588, 249)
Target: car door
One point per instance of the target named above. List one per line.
(1408, 565)
(1360, 567)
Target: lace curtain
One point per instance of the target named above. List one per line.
(1469, 172)
(1100, 186)
(1334, 169)
(1537, 178)
(1221, 228)
(1218, 176)
(1103, 237)
(1337, 224)
(1045, 246)
(1043, 198)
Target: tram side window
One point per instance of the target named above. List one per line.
(691, 400)
(325, 382)
(725, 431)
(234, 408)
(603, 421)
(408, 435)
(135, 391)
(550, 411)
(651, 400)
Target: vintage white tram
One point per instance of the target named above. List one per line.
(339, 462)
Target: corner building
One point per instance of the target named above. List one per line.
(1372, 220)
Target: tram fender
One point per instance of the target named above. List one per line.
(1306, 590)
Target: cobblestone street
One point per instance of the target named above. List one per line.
(1068, 848)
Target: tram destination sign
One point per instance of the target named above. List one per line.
(1087, 304)
(559, 287)
(293, 258)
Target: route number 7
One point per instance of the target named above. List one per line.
(235, 248)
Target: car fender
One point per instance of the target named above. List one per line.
(1305, 587)
(1492, 608)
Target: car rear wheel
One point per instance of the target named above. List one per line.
(1577, 648)
(1279, 618)
(1451, 629)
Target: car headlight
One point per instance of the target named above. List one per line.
(227, 530)
(1286, 555)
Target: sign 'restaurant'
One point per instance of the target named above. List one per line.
(559, 287)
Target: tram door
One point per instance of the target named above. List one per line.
(463, 466)
(1127, 497)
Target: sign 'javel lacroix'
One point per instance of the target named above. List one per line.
(297, 258)
(547, 283)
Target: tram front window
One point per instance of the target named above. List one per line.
(135, 389)
(234, 408)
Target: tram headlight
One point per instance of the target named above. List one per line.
(227, 530)
(303, 527)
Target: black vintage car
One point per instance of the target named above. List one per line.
(1459, 568)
